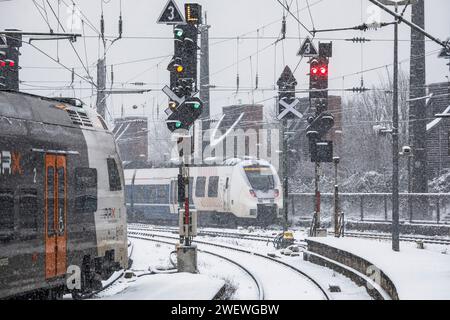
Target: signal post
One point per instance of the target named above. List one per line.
(184, 109)
(320, 124)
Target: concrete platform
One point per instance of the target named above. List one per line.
(410, 274)
(177, 286)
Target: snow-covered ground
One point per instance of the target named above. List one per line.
(278, 284)
(165, 286)
(324, 276)
(416, 273)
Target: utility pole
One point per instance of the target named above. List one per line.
(101, 87)
(418, 111)
(395, 148)
(337, 210)
(204, 81)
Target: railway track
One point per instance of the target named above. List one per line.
(232, 235)
(259, 286)
(261, 238)
(406, 238)
(307, 281)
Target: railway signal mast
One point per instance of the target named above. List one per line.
(184, 109)
(320, 124)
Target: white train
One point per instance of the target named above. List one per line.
(238, 192)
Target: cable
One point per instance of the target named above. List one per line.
(42, 15)
(310, 15)
(289, 11)
(73, 47)
(50, 57)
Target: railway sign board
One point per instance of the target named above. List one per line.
(308, 49)
(290, 110)
(171, 14)
(172, 95)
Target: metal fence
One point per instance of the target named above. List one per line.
(414, 208)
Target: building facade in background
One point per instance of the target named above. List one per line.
(131, 134)
(438, 130)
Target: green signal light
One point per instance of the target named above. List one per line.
(196, 106)
(178, 124)
(179, 33)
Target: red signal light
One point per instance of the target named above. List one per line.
(2, 63)
(12, 63)
(323, 70)
(314, 70)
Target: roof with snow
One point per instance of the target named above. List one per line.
(435, 122)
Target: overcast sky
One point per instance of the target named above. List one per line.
(228, 19)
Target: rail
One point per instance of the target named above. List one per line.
(302, 273)
(258, 284)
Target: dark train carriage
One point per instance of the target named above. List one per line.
(52, 198)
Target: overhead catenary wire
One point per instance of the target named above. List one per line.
(71, 44)
(53, 59)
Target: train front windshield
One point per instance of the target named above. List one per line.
(260, 178)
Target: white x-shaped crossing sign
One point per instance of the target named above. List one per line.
(289, 108)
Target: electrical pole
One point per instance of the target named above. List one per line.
(204, 81)
(418, 111)
(101, 87)
(337, 210)
(395, 148)
(204, 75)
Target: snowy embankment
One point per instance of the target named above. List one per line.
(416, 273)
(165, 286)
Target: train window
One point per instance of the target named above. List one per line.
(213, 187)
(114, 177)
(200, 187)
(6, 213)
(86, 190)
(260, 177)
(28, 209)
(159, 194)
(128, 193)
(173, 192)
(140, 194)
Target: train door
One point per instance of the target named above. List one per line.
(226, 195)
(55, 215)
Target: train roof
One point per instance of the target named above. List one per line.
(57, 111)
(227, 163)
